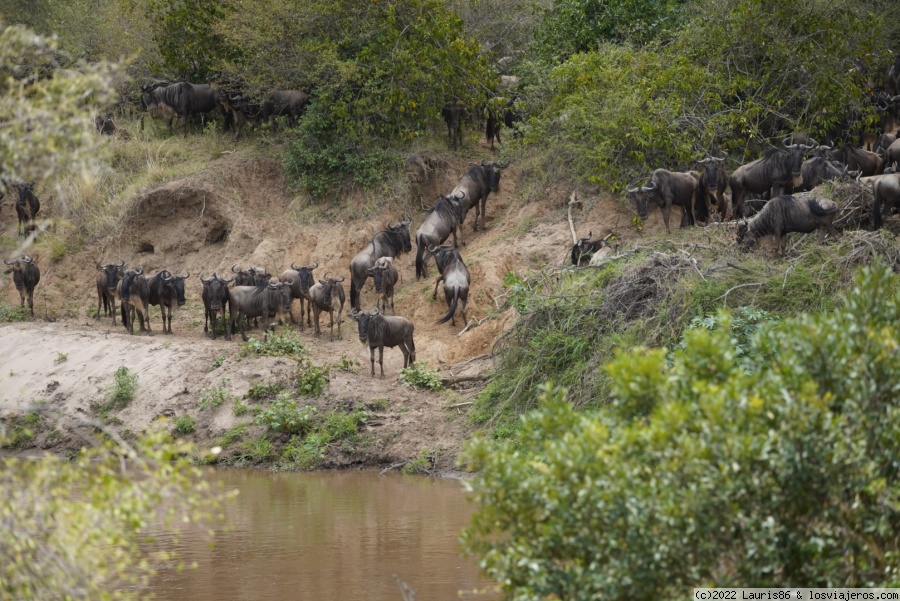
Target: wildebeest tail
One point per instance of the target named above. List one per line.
(452, 310)
(124, 315)
(818, 210)
(354, 293)
(876, 212)
(420, 263)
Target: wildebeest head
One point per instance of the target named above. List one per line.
(795, 161)
(252, 276)
(113, 273)
(175, 283)
(216, 290)
(362, 321)
(642, 197)
(127, 278)
(283, 291)
(711, 169)
(18, 265)
(377, 272)
(494, 174)
(742, 229)
(443, 255)
(306, 275)
(402, 230)
(328, 285)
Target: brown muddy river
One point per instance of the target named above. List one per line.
(330, 536)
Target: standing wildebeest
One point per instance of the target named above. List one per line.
(455, 276)
(380, 331)
(390, 242)
(183, 99)
(283, 103)
(869, 163)
(820, 169)
(475, 187)
(884, 142)
(711, 189)
(892, 77)
(215, 297)
(134, 297)
(328, 295)
(167, 291)
(301, 281)
(26, 276)
(263, 301)
(496, 118)
(785, 214)
(107, 280)
(27, 207)
(443, 219)
(452, 115)
(664, 189)
(892, 155)
(887, 195)
(777, 170)
(252, 276)
(384, 275)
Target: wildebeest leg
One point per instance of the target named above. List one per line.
(381, 360)
(316, 312)
(31, 302)
(465, 300)
(372, 359)
(412, 351)
(483, 211)
(436, 282)
(667, 210)
(240, 320)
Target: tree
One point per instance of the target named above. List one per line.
(775, 469)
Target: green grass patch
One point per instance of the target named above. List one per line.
(13, 313)
(262, 392)
(287, 344)
(419, 376)
(184, 424)
(22, 431)
(119, 394)
(210, 398)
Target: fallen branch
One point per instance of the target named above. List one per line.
(453, 380)
(573, 200)
(390, 467)
(733, 288)
(461, 405)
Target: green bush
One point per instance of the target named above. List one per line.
(419, 376)
(284, 415)
(311, 381)
(216, 396)
(184, 424)
(422, 464)
(287, 344)
(120, 393)
(779, 470)
(260, 392)
(23, 430)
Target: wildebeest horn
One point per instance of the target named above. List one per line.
(184, 277)
(167, 279)
(233, 270)
(226, 280)
(139, 271)
(326, 274)
(785, 142)
(121, 262)
(99, 267)
(353, 314)
(461, 197)
(370, 270)
(289, 282)
(294, 267)
(632, 190)
(813, 142)
(431, 248)
(650, 187)
(316, 259)
(209, 279)
(375, 312)
(340, 280)
(9, 262)
(407, 220)
(28, 259)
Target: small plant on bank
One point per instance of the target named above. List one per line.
(184, 424)
(284, 415)
(423, 464)
(287, 344)
(12, 313)
(346, 364)
(219, 361)
(22, 431)
(262, 392)
(214, 397)
(60, 357)
(120, 393)
(305, 452)
(231, 436)
(256, 450)
(238, 408)
(380, 404)
(311, 380)
(419, 376)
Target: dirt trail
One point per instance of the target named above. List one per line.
(240, 212)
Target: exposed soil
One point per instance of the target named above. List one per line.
(237, 212)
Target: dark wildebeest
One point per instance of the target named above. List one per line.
(455, 276)
(301, 281)
(167, 291)
(184, 99)
(884, 142)
(252, 276)
(711, 189)
(452, 115)
(239, 111)
(265, 301)
(785, 214)
(475, 187)
(390, 242)
(496, 118)
(284, 103)
(380, 331)
(820, 169)
(443, 219)
(105, 125)
(854, 158)
(892, 77)
(134, 297)
(664, 189)
(777, 170)
(328, 295)
(215, 297)
(584, 249)
(107, 281)
(384, 275)
(892, 155)
(27, 207)
(26, 275)
(887, 195)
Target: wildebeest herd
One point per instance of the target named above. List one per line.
(126, 293)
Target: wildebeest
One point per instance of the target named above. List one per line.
(107, 281)
(777, 170)
(105, 125)
(167, 291)
(869, 163)
(785, 214)
(711, 189)
(302, 280)
(184, 99)
(664, 189)
(26, 275)
(443, 219)
(475, 187)
(384, 275)
(252, 276)
(452, 115)
(389, 242)
(820, 169)
(884, 142)
(887, 196)
(27, 207)
(496, 118)
(284, 103)
(455, 276)
(215, 298)
(892, 77)
(239, 110)
(263, 301)
(134, 298)
(381, 331)
(584, 249)
(892, 155)
(328, 295)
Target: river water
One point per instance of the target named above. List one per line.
(327, 536)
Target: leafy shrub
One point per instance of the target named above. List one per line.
(219, 361)
(184, 424)
(773, 470)
(260, 392)
(311, 381)
(119, 394)
(238, 408)
(284, 415)
(346, 364)
(60, 357)
(13, 313)
(214, 397)
(287, 344)
(419, 376)
(256, 450)
(344, 426)
(23, 431)
(306, 452)
(423, 464)
(231, 436)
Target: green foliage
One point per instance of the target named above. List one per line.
(259, 392)
(346, 364)
(311, 380)
(119, 394)
(219, 361)
(23, 431)
(13, 313)
(284, 415)
(306, 451)
(238, 408)
(91, 545)
(742, 323)
(419, 376)
(210, 398)
(287, 344)
(60, 357)
(777, 471)
(423, 464)
(231, 436)
(184, 424)
(256, 450)
(381, 404)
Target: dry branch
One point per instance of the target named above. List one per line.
(573, 200)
